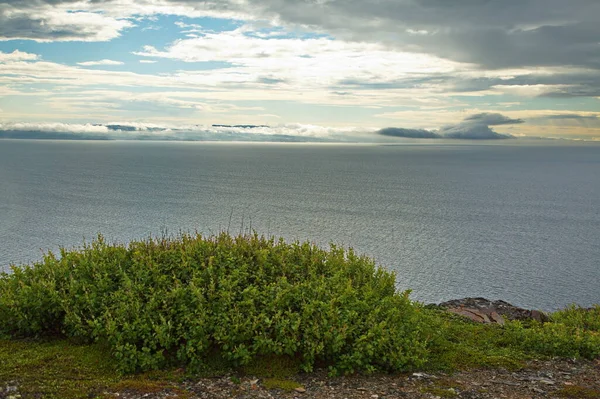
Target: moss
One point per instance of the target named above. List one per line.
(440, 392)
(273, 366)
(576, 391)
(447, 383)
(56, 369)
(140, 386)
(278, 383)
(64, 369)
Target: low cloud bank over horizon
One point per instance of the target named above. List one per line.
(142, 131)
(473, 127)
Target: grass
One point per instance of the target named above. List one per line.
(142, 317)
(578, 392)
(63, 369)
(280, 383)
(56, 369)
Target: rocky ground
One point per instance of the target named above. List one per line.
(540, 379)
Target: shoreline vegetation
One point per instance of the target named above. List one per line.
(109, 317)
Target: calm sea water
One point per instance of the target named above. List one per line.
(513, 222)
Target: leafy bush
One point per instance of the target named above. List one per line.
(575, 316)
(166, 301)
(248, 301)
(458, 343)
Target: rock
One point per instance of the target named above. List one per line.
(422, 376)
(547, 382)
(471, 314)
(300, 390)
(504, 382)
(483, 310)
(539, 316)
(496, 318)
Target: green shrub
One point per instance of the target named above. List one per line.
(575, 316)
(215, 302)
(165, 302)
(554, 339)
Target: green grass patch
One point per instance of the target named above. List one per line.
(56, 369)
(457, 343)
(578, 392)
(280, 383)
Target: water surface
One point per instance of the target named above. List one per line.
(513, 222)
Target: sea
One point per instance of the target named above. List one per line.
(512, 221)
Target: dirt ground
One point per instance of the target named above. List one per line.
(540, 379)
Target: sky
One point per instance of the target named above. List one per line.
(349, 70)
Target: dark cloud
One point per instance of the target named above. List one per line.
(471, 131)
(473, 127)
(572, 116)
(270, 81)
(409, 133)
(574, 91)
(477, 127)
(491, 119)
(43, 22)
(491, 33)
(585, 83)
(587, 121)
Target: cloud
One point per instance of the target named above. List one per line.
(56, 22)
(101, 62)
(477, 127)
(17, 55)
(409, 133)
(403, 56)
(492, 34)
(471, 131)
(589, 121)
(573, 116)
(53, 127)
(491, 119)
(148, 62)
(473, 127)
(145, 131)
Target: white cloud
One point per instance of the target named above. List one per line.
(101, 62)
(314, 67)
(148, 62)
(63, 22)
(54, 127)
(137, 130)
(18, 56)
(299, 54)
